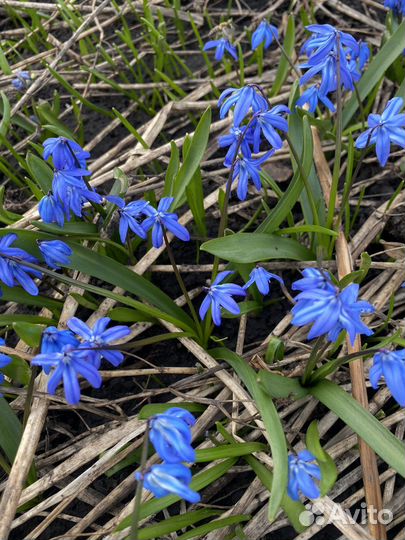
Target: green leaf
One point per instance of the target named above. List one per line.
(6, 217)
(10, 430)
(327, 465)
(284, 65)
(278, 386)
(4, 65)
(202, 530)
(255, 247)
(175, 523)
(72, 228)
(10, 319)
(30, 333)
(157, 408)
(5, 121)
(18, 370)
(275, 350)
(172, 170)
(127, 315)
(40, 172)
(269, 415)
(299, 229)
(380, 63)
(195, 199)
(193, 158)
(17, 294)
(229, 450)
(381, 440)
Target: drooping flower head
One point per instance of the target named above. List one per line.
(66, 154)
(21, 81)
(238, 137)
(264, 33)
(170, 434)
(55, 253)
(160, 219)
(391, 366)
(243, 99)
(267, 123)
(312, 96)
(331, 311)
(302, 473)
(397, 6)
(220, 295)
(169, 478)
(221, 46)
(261, 277)
(51, 210)
(129, 217)
(384, 130)
(248, 169)
(13, 271)
(98, 337)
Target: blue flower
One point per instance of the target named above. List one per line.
(327, 68)
(220, 295)
(12, 268)
(325, 40)
(66, 154)
(267, 122)
(51, 210)
(221, 45)
(53, 340)
(162, 218)
(167, 479)
(301, 474)
(311, 96)
(21, 81)
(55, 253)
(261, 277)
(170, 434)
(243, 99)
(331, 311)
(248, 169)
(5, 360)
(397, 6)
(384, 130)
(128, 215)
(98, 337)
(67, 365)
(264, 33)
(313, 279)
(233, 141)
(64, 178)
(391, 366)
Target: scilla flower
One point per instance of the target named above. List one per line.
(331, 311)
(301, 474)
(261, 277)
(312, 96)
(23, 78)
(98, 337)
(5, 360)
(264, 33)
(243, 99)
(51, 210)
(220, 295)
(248, 169)
(266, 124)
(221, 46)
(13, 271)
(55, 253)
(384, 130)
(160, 219)
(129, 217)
(66, 154)
(170, 434)
(167, 479)
(391, 366)
(67, 365)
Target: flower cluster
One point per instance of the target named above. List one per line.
(243, 140)
(391, 366)
(384, 130)
(301, 474)
(70, 192)
(170, 434)
(220, 294)
(329, 309)
(334, 56)
(21, 81)
(67, 356)
(14, 269)
(158, 220)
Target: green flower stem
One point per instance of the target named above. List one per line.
(133, 535)
(181, 283)
(313, 360)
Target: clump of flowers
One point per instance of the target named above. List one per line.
(65, 357)
(170, 434)
(327, 308)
